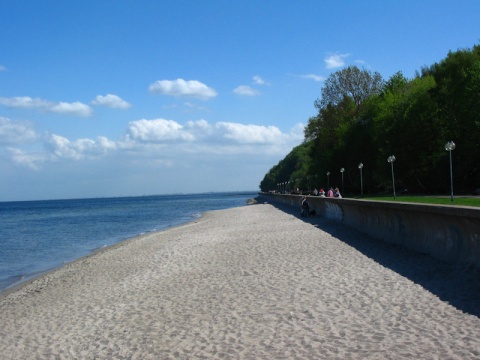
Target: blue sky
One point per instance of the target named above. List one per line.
(119, 97)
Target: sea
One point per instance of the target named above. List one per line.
(39, 236)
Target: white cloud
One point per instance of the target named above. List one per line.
(193, 157)
(244, 90)
(2, 68)
(111, 101)
(75, 108)
(63, 148)
(199, 125)
(313, 77)
(180, 87)
(106, 144)
(158, 130)
(250, 134)
(15, 132)
(31, 160)
(335, 60)
(26, 102)
(257, 80)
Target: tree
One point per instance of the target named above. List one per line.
(351, 82)
(458, 97)
(363, 119)
(407, 115)
(291, 168)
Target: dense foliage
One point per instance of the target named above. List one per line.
(363, 119)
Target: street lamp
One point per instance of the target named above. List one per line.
(342, 170)
(360, 166)
(449, 146)
(328, 180)
(391, 159)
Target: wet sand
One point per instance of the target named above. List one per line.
(252, 282)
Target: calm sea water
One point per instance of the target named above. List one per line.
(37, 236)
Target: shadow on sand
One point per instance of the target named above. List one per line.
(457, 285)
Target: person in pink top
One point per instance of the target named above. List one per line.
(330, 192)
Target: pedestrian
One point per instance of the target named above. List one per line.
(305, 207)
(330, 192)
(336, 193)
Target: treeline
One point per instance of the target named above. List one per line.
(363, 118)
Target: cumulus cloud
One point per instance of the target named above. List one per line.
(313, 77)
(15, 132)
(180, 88)
(160, 139)
(111, 101)
(249, 134)
(75, 108)
(30, 160)
(199, 126)
(157, 130)
(335, 60)
(257, 80)
(63, 148)
(26, 102)
(244, 90)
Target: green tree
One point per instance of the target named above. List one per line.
(292, 169)
(353, 83)
(407, 126)
(458, 98)
(363, 119)
(336, 129)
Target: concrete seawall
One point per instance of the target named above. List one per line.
(448, 233)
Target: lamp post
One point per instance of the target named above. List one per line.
(342, 170)
(328, 180)
(391, 159)
(449, 146)
(360, 166)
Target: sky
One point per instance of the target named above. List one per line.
(103, 98)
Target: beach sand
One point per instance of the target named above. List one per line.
(252, 282)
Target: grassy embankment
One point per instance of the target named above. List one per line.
(457, 201)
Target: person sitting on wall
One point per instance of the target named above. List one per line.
(336, 193)
(305, 208)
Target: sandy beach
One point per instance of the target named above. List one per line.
(252, 282)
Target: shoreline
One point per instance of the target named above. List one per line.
(251, 282)
(27, 279)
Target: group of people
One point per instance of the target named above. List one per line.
(305, 206)
(331, 193)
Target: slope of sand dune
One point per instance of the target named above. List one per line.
(245, 283)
